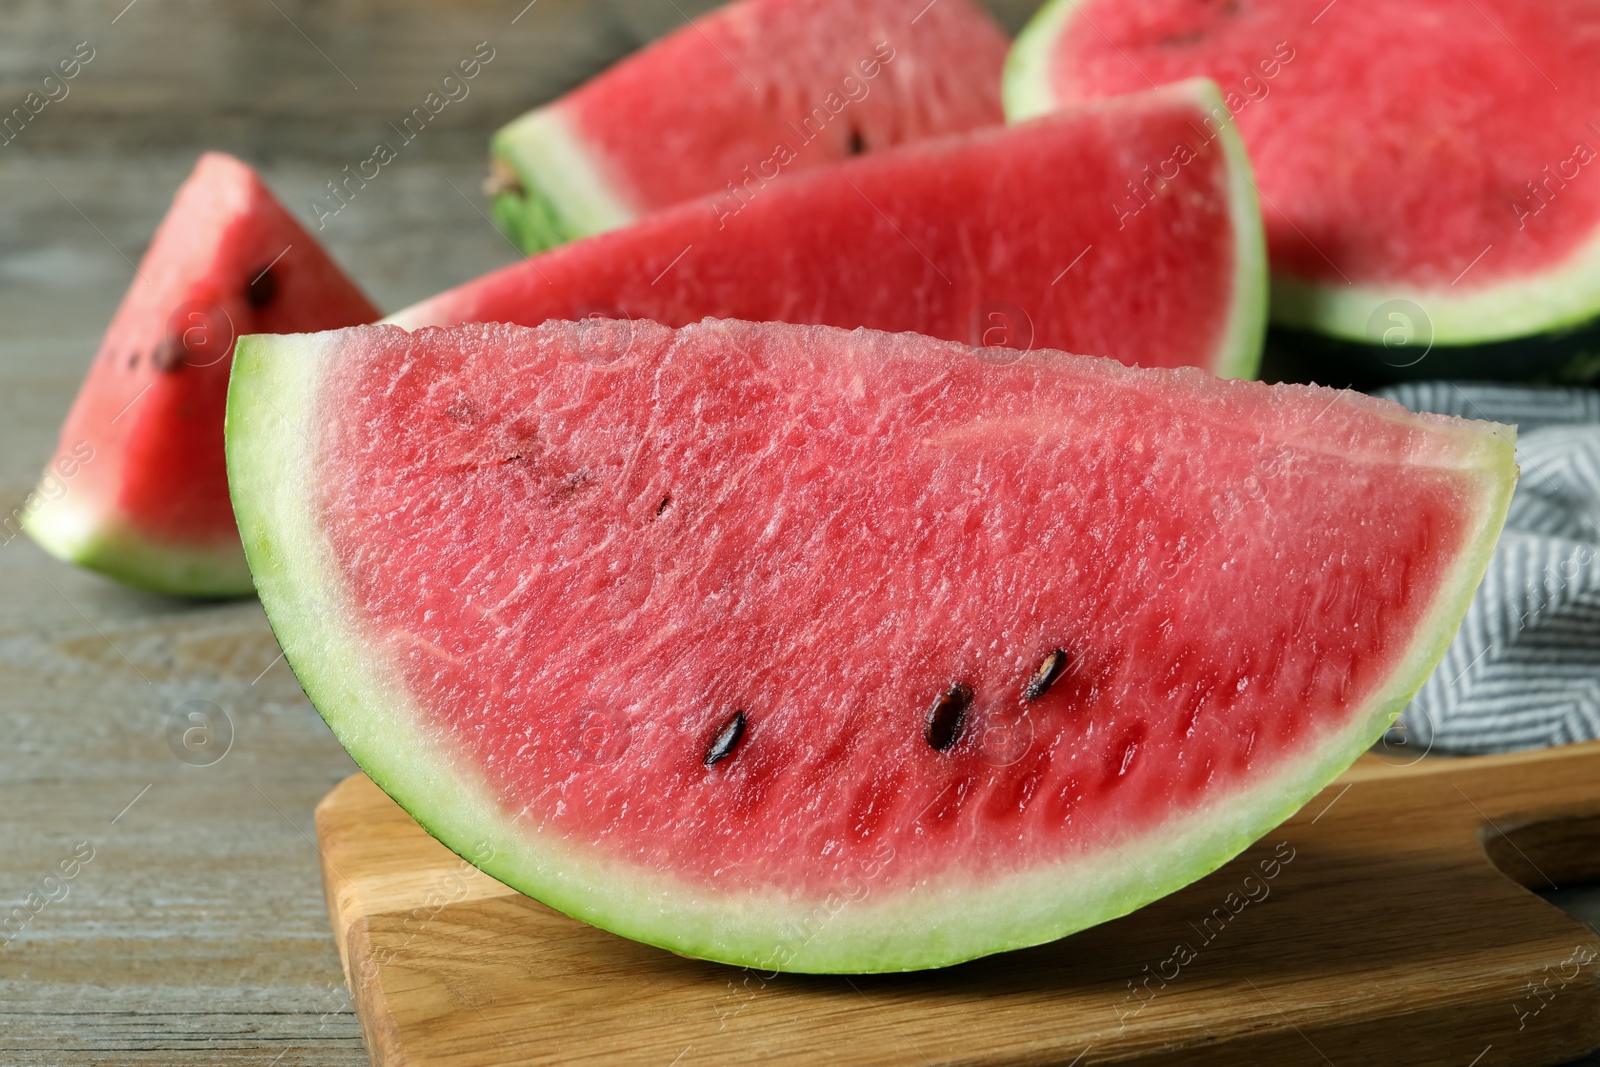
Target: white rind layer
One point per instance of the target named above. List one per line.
(82, 532)
(556, 165)
(1559, 298)
(274, 420)
(1247, 318)
(1026, 89)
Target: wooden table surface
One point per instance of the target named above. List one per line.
(197, 932)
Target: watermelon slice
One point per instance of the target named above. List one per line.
(843, 651)
(752, 92)
(1449, 201)
(150, 504)
(999, 237)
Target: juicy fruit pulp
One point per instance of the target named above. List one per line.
(753, 92)
(1457, 182)
(723, 638)
(150, 505)
(1002, 237)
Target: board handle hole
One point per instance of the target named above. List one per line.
(1547, 850)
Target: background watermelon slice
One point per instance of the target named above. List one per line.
(999, 237)
(829, 651)
(149, 505)
(1458, 182)
(754, 91)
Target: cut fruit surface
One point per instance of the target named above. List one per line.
(138, 487)
(843, 651)
(751, 92)
(1005, 237)
(1458, 182)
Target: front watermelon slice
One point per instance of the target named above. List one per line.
(150, 504)
(751, 93)
(818, 650)
(1002, 237)
(1449, 202)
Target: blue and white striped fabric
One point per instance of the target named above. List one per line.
(1524, 672)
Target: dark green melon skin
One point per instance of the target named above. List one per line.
(531, 221)
(1569, 356)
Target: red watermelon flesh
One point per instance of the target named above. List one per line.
(702, 634)
(1002, 237)
(151, 506)
(755, 90)
(1458, 179)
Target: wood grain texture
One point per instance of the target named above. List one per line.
(1385, 935)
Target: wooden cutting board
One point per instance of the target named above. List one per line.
(1385, 935)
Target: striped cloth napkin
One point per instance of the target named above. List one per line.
(1524, 672)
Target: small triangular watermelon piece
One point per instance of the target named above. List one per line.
(818, 650)
(138, 488)
(1001, 237)
(751, 92)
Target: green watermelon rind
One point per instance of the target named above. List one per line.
(1246, 332)
(1025, 91)
(78, 534)
(564, 195)
(1534, 305)
(271, 423)
(1565, 296)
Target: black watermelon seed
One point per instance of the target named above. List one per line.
(666, 502)
(133, 360)
(947, 716)
(1045, 676)
(858, 144)
(168, 355)
(262, 288)
(728, 739)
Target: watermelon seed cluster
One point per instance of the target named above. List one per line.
(948, 715)
(728, 739)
